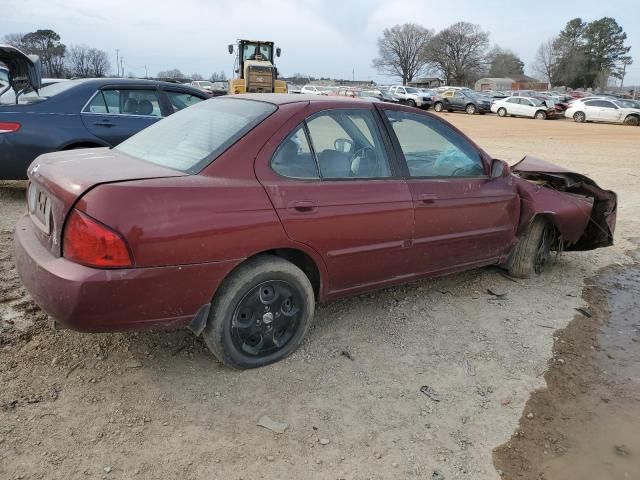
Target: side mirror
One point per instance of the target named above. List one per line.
(499, 168)
(278, 52)
(230, 48)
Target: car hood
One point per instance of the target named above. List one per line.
(24, 70)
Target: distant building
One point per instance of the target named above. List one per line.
(428, 82)
(514, 82)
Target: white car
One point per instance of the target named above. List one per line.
(411, 96)
(604, 110)
(313, 90)
(523, 107)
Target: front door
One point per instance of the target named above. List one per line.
(335, 190)
(115, 114)
(462, 217)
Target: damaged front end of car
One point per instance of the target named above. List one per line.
(583, 213)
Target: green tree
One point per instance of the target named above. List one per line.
(504, 63)
(46, 44)
(604, 50)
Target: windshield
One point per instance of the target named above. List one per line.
(627, 103)
(204, 84)
(256, 51)
(192, 138)
(537, 102)
(46, 92)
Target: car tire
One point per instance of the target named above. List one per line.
(502, 112)
(540, 115)
(632, 120)
(438, 107)
(411, 103)
(532, 251)
(240, 332)
(471, 109)
(579, 117)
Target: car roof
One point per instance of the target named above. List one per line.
(285, 98)
(129, 81)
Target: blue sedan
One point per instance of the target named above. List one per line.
(82, 114)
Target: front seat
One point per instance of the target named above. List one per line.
(131, 106)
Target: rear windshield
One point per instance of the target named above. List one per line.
(46, 92)
(192, 138)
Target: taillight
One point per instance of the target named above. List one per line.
(9, 127)
(91, 243)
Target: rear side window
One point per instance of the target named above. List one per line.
(192, 138)
(294, 158)
(130, 102)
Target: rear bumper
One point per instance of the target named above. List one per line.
(97, 300)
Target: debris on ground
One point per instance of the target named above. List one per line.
(430, 392)
(270, 424)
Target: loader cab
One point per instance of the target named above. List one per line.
(254, 68)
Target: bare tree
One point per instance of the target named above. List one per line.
(99, 62)
(459, 53)
(218, 76)
(172, 74)
(84, 62)
(196, 76)
(401, 51)
(14, 39)
(546, 62)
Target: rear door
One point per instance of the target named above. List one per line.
(462, 218)
(337, 189)
(116, 113)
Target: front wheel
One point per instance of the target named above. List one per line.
(632, 120)
(260, 314)
(502, 112)
(579, 117)
(411, 103)
(471, 109)
(438, 107)
(531, 255)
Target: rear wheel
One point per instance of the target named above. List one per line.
(471, 109)
(531, 255)
(411, 103)
(541, 115)
(438, 107)
(632, 120)
(260, 314)
(579, 117)
(502, 112)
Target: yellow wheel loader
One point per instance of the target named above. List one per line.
(254, 68)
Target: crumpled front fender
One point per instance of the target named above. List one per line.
(583, 213)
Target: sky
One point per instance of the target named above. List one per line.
(328, 38)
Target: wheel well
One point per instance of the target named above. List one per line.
(82, 145)
(540, 111)
(301, 260)
(549, 218)
(635, 115)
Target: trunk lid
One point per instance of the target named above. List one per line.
(58, 180)
(24, 70)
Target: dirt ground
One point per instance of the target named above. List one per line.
(158, 405)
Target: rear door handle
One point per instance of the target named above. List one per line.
(303, 206)
(427, 197)
(104, 123)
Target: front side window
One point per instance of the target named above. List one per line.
(180, 100)
(348, 145)
(194, 137)
(431, 149)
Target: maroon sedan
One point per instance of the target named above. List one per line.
(236, 215)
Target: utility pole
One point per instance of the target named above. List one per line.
(117, 63)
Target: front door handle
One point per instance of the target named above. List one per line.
(303, 206)
(427, 197)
